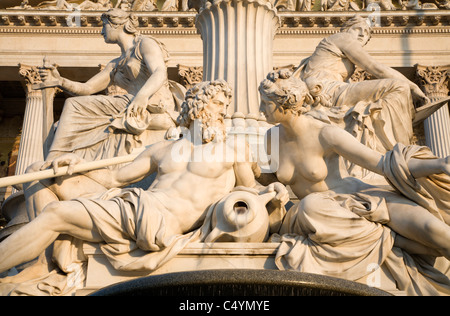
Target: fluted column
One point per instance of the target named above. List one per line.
(238, 46)
(37, 121)
(434, 82)
(31, 145)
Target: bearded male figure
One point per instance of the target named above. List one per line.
(141, 229)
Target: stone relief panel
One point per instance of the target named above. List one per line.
(67, 5)
(281, 5)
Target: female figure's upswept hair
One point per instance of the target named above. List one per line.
(198, 97)
(286, 91)
(356, 20)
(118, 17)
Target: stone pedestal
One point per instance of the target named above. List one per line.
(238, 47)
(203, 257)
(434, 82)
(195, 257)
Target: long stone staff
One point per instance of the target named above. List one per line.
(49, 173)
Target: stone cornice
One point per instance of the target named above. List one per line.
(183, 23)
(389, 22)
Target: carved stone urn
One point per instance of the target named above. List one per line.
(238, 47)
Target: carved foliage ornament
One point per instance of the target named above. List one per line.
(30, 74)
(190, 75)
(434, 80)
(360, 75)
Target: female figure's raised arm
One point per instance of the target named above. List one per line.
(345, 145)
(355, 52)
(97, 83)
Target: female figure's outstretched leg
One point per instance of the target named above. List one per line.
(416, 223)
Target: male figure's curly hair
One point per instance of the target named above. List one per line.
(198, 97)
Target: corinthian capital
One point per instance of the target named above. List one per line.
(434, 80)
(31, 76)
(190, 75)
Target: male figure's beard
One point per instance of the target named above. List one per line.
(213, 130)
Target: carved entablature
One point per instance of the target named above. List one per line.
(89, 22)
(383, 22)
(183, 23)
(434, 80)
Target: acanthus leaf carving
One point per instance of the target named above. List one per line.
(434, 80)
(30, 74)
(190, 75)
